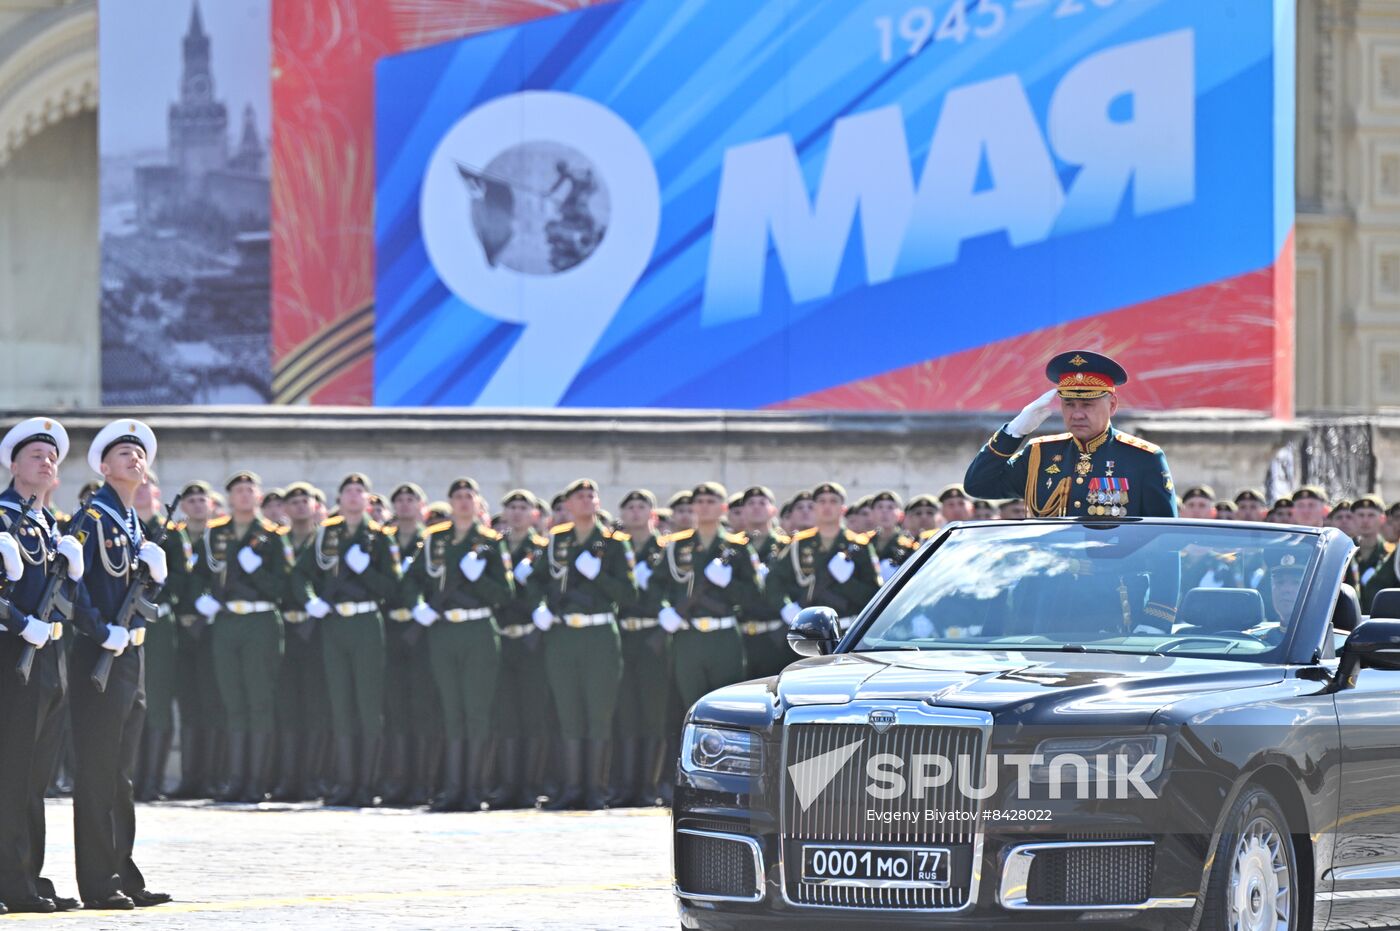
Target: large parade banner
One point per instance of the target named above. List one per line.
(855, 204)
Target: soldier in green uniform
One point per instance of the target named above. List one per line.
(709, 576)
(1251, 504)
(1372, 565)
(1093, 470)
(462, 576)
(802, 514)
(827, 565)
(590, 574)
(640, 726)
(920, 514)
(303, 715)
(242, 574)
(892, 545)
(159, 729)
(766, 652)
(682, 511)
(196, 687)
(351, 566)
(524, 709)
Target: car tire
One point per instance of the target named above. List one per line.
(1255, 868)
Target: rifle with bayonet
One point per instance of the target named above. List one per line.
(137, 600)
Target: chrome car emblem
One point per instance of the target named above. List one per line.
(882, 720)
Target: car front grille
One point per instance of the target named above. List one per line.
(715, 866)
(1091, 875)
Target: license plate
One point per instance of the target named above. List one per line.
(920, 866)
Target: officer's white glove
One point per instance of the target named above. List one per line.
(522, 571)
(472, 565)
(357, 559)
(318, 607)
(719, 573)
(589, 565)
(887, 569)
(154, 558)
(841, 567)
(542, 617)
(643, 574)
(207, 605)
(249, 560)
(36, 632)
(1033, 414)
(670, 619)
(790, 612)
(763, 572)
(118, 639)
(9, 552)
(72, 550)
(424, 614)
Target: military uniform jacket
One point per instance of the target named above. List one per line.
(322, 571)
(648, 557)
(111, 536)
(406, 595)
(531, 551)
(294, 598)
(769, 548)
(219, 573)
(38, 540)
(803, 576)
(569, 591)
(176, 595)
(437, 577)
(1113, 475)
(1376, 572)
(892, 553)
(691, 592)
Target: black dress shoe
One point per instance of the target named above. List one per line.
(145, 898)
(32, 904)
(116, 902)
(64, 904)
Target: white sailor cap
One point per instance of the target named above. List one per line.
(35, 429)
(121, 431)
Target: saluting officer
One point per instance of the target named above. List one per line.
(590, 574)
(107, 724)
(1093, 470)
(766, 652)
(462, 576)
(351, 565)
(828, 565)
(31, 713)
(242, 575)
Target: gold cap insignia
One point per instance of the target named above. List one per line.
(48, 425)
(1078, 360)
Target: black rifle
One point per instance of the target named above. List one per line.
(137, 600)
(51, 601)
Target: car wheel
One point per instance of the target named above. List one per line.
(1254, 881)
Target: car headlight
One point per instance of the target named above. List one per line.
(1121, 754)
(720, 750)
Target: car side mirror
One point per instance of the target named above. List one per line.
(1374, 644)
(813, 632)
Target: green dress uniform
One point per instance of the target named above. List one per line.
(303, 710)
(463, 578)
(583, 652)
(412, 713)
(352, 640)
(246, 570)
(524, 707)
(640, 723)
(160, 661)
(1375, 570)
(766, 651)
(197, 696)
(707, 583)
(810, 573)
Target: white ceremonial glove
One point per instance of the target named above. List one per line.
(318, 607)
(643, 574)
(719, 573)
(36, 632)
(589, 565)
(841, 567)
(542, 617)
(790, 612)
(9, 552)
(670, 619)
(72, 550)
(249, 560)
(1033, 414)
(154, 558)
(424, 614)
(357, 559)
(522, 571)
(207, 605)
(472, 565)
(763, 572)
(887, 569)
(118, 639)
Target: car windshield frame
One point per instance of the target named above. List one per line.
(1210, 534)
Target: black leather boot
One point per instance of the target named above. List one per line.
(627, 782)
(536, 755)
(214, 762)
(596, 775)
(369, 778)
(343, 792)
(318, 762)
(511, 789)
(289, 768)
(652, 764)
(474, 772)
(155, 751)
(259, 757)
(427, 753)
(237, 768)
(450, 796)
(571, 775)
(396, 770)
(191, 757)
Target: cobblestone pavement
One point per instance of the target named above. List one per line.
(309, 867)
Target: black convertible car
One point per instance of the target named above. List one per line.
(1132, 723)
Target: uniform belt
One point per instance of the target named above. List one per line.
(588, 620)
(352, 608)
(138, 636)
(517, 631)
(401, 614)
(754, 628)
(706, 625)
(633, 624)
(294, 617)
(458, 615)
(249, 607)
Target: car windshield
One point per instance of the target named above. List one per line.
(1131, 588)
